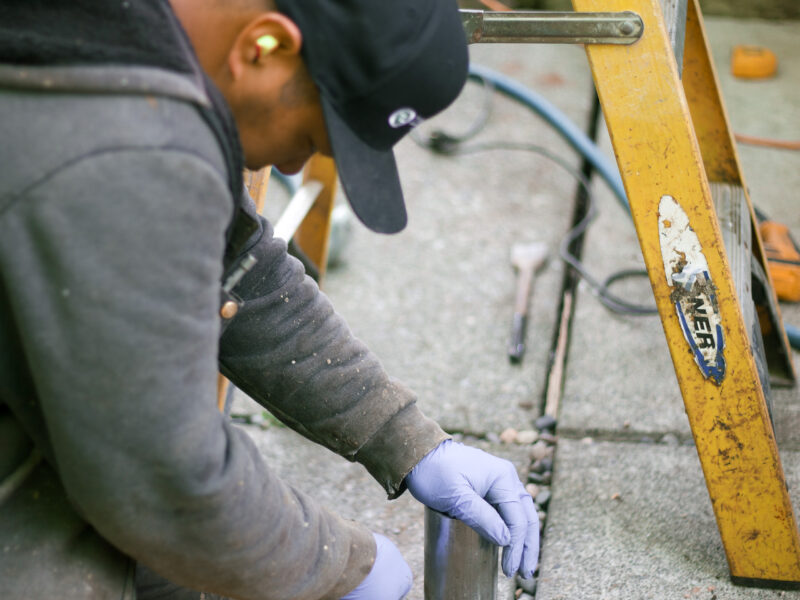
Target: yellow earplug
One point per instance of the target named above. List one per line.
(265, 44)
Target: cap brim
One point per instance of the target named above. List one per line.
(369, 177)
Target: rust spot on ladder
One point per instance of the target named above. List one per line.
(752, 535)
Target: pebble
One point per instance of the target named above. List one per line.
(527, 437)
(670, 439)
(539, 450)
(508, 436)
(493, 437)
(538, 466)
(528, 586)
(543, 498)
(532, 489)
(540, 478)
(548, 437)
(545, 422)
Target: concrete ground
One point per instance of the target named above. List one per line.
(629, 516)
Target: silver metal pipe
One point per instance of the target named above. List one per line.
(459, 563)
(675, 12)
(550, 27)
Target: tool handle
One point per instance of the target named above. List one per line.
(519, 324)
(516, 347)
(524, 281)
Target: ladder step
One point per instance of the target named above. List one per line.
(733, 214)
(734, 220)
(674, 12)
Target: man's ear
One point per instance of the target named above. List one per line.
(270, 35)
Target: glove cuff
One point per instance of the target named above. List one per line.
(398, 446)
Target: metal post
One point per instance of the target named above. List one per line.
(549, 27)
(459, 563)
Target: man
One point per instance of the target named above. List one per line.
(123, 229)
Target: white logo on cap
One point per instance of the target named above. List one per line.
(403, 116)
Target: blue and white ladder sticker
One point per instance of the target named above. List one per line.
(694, 294)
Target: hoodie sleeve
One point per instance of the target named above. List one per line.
(290, 351)
(113, 265)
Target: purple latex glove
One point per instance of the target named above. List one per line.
(485, 492)
(390, 577)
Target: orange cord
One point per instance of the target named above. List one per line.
(769, 143)
(494, 5)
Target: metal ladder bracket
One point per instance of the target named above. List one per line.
(550, 27)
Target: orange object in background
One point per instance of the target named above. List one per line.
(753, 62)
(783, 259)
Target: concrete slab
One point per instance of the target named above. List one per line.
(619, 375)
(634, 521)
(349, 490)
(435, 302)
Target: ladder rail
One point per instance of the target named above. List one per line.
(665, 179)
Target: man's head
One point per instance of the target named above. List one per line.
(273, 99)
(348, 78)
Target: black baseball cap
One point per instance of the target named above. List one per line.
(382, 67)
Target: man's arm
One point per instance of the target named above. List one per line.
(291, 352)
(113, 265)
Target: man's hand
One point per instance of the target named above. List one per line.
(485, 492)
(390, 577)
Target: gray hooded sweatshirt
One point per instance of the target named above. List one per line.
(114, 206)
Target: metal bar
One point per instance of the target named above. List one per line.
(297, 210)
(675, 20)
(549, 27)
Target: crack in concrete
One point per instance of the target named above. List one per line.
(628, 436)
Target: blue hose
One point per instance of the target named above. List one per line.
(793, 333)
(577, 139)
(571, 133)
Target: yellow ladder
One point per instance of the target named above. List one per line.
(696, 227)
(311, 235)
(673, 144)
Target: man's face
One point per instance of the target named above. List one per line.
(273, 99)
(282, 128)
